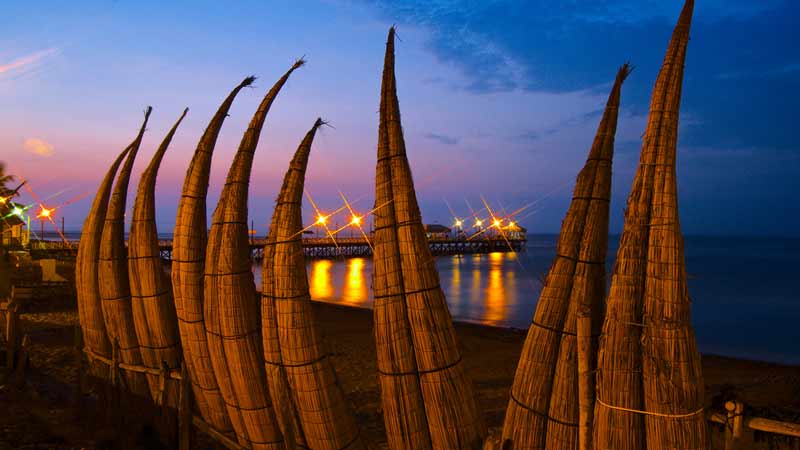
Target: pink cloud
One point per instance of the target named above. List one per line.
(38, 147)
(25, 61)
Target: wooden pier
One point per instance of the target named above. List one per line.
(325, 247)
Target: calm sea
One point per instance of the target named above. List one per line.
(745, 293)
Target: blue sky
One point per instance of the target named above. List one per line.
(499, 99)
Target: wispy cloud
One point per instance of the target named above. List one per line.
(38, 147)
(446, 140)
(28, 61)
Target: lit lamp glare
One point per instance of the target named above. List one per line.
(497, 223)
(478, 223)
(322, 219)
(458, 223)
(45, 213)
(356, 220)
(17, 211)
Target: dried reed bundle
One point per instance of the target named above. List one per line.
(543, 410)
(188, 263)
(230, 309)
(649, 383)
(671, 371)
(401, 395)
(293, 346)
(156, 324)
(448, 396)
(114, 285)
(90, 311)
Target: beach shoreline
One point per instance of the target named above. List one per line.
(42, 411)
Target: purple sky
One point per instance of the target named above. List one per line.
(498, 100)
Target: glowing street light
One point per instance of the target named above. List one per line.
(478, 223)
(17, 211)
(322, 220)
(355, 221)
(459, 223)
(44, 213)
(497, 223)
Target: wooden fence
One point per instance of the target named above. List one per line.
(735, 421)
(14, 342)
(186, 419)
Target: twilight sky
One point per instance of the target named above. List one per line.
(499, 98)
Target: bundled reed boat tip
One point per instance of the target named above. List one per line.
(311, 406)
(188, 264)
(410, 309)
(114, 284)
(230, 307)
(154, 317)
(90, 312)
(543, 411)
(647, 328)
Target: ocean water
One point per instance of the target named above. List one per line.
(745, 291)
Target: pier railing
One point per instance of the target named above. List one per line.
(326, 247)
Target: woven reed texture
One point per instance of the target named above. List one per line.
(188, 265)
(154, 318)
(230, 309)
(293, 343)
(401, 395)
(648, 360)
(672, 374)
(451, 409)
(543, 410)
(90, 311)
(114, 285)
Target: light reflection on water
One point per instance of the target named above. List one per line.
(488, 295)
(499, 289)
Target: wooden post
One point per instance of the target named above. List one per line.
(163, 374)
(184, 410)
(585, 381)
(18, 375)
(79, 366)
(114, 382)
(11, 333)
(735, 425)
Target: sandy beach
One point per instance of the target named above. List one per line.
(40, 413)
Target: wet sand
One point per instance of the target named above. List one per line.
(41, 412)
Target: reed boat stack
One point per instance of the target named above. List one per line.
(428, 400)
(617, 370)
(543, 411)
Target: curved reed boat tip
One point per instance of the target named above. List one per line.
(90, 313)
(154, 317)
(189, 248)
(649, 288)
(113, 281)
(453, 419)
(543, 411)
(230, 307)
(311, 406)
